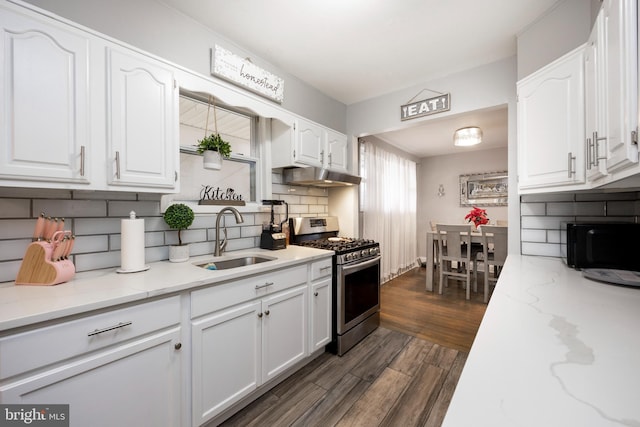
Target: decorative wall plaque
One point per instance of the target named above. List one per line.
(484, 189)
(426, 107)
(243, 72)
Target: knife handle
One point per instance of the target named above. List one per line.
(39, 228)
(58, 249)
(49, 228)
(69, 246)
(60, 225)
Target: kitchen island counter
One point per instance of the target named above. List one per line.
(553, 349)
(25, 305)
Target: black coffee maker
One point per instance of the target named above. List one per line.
(272, 236)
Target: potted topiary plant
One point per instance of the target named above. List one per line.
(214, 149)
(179, 217)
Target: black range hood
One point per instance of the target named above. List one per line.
(318, 177)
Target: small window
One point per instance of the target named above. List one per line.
(202, 115)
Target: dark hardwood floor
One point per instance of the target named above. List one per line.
(403, 374)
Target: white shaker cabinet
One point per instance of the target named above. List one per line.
(308, 144)
(79, 111)
(142, 121)
(116, 368)
(44, 101)
(619, 82)
(245, 333)
(551, 125)
(320, 314)
(337, 151)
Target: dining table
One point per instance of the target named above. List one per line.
(432, 236)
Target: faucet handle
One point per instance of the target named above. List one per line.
(224, 240)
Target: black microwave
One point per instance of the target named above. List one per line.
(601, 245)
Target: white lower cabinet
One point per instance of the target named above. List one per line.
(237, 349)
(320, 314)
(128, 373)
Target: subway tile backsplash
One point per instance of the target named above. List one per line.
(94, 217)
(542, 214)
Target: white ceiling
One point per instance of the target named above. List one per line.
(353, 50)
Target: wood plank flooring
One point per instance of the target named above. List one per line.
(403, 374)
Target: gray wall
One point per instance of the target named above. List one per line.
(94, 217)
(561, 30)
(156, 28)
(542, 215)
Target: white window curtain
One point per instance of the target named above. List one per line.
(388, 206)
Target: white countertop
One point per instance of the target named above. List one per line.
(22, 305)
(553, 349)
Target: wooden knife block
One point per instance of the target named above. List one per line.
(37, 269)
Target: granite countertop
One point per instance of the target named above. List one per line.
(23, 305)
(553, 349)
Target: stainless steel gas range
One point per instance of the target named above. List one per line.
(356, 278)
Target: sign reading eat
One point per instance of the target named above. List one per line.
(437, 104)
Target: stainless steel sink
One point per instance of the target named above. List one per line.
(227, 263)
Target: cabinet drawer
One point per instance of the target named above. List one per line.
(321, 269)
(43, 346)
(225, 295)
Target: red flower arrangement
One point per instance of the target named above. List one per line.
(477, 216)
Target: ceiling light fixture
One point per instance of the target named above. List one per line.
(466, 137)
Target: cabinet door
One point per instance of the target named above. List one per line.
(134, 384)
(284, 330)
(226, 359)
(595, 148)
(619, 81)
(551, 124)
(142, 121)
(310, 142)
(44, 101)
(320, 314)
(337, 147)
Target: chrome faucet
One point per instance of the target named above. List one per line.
(239, 220)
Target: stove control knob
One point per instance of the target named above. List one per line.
(348, 257)
(364, 252)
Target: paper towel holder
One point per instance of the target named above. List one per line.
(132, 216)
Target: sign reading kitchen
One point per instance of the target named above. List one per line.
(245, 73)
(416, 109)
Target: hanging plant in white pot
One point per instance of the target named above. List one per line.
(213, 147)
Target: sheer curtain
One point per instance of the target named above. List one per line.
(388, 205)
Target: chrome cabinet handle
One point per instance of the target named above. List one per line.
(329, 157)
(109, 328)
(117, 164)
(589, 155)
(178, 346)
(569, 164)
(259, 314)
(596, 151)
(82, 152)
(266, 312)
(264, 286)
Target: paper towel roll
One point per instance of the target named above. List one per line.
(132, 245)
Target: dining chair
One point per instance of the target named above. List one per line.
(494, 254)
(436, 257)
(454, 243)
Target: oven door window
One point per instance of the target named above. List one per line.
(360, 292)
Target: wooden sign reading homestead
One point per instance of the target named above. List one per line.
(437, 104)
(245, 73)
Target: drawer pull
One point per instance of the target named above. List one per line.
(259, 314)
(110, 328)
(178, 346)
(264, 286)
(266, 312)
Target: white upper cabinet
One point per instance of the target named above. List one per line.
(44, 101)
(337, 147)
(618, 80)
(551, 123)
(308, 144)
(142, 116)
(596, 149)
(82, 112)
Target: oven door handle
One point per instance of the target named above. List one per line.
(360, 265)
